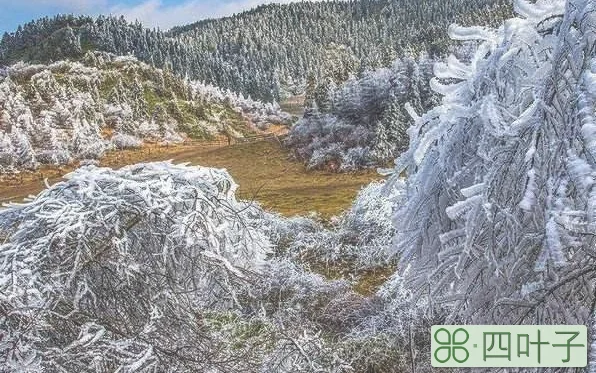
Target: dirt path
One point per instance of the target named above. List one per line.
(262, 169)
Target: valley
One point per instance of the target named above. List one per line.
(264, 171)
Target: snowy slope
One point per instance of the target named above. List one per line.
(75, 110)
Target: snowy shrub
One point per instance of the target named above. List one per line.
(400, 324)
(361, 236)
(366, 228)
(355, 159)
(86, 145)
(124, 141)
(303, 304)
(171, 137)
(306, 351)
(55, 157)
(118, 269)
(263, 115)
(290, 294)
(366, 119)
(89, 162)
(328, 157)
(367, 335)
(501, 211)
(283, 232)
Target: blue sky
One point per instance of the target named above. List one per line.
(153, 13)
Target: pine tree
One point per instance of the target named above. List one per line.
(23, 151)
(390, 133)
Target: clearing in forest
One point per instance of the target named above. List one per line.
(263, 170)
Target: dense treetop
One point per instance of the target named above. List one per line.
(265, 52)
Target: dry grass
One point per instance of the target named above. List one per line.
(263, 170)
(266, 175)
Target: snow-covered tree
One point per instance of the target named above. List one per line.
(71, 110)
(264, 52)
(360, 237)
(24, 155)
(124, 141)
(157, 267)
(7, 153)
(121, 269)
(500, 217)
(390, 133)
(365, 121)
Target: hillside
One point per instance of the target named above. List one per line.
(57, 113)
(267, 52)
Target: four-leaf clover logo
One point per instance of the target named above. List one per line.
(451, 345)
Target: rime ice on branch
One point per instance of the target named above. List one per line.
(112, 268)
(501, 211)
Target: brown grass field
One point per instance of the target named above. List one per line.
(263, 170)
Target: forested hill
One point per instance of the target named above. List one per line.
(66, 111)
(267, 51)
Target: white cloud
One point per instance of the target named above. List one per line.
(153, 13)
